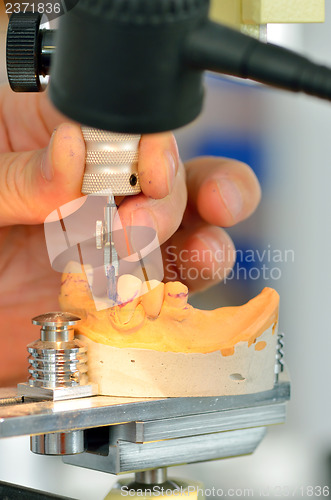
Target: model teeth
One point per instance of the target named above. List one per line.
(152, 297)
(128, 297)
(73, 267)
(175, 294)
(135, 300)
(85, 271)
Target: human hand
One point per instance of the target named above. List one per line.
(185, 204)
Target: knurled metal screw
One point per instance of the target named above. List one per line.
(56, 326)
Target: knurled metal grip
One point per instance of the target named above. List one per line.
(111, 163)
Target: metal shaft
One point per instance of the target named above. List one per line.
(153, 476)
(109, 251)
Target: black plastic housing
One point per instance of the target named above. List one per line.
(136, 66)
(119, 64)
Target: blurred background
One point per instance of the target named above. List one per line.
(286, 140)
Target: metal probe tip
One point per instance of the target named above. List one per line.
(110, 254)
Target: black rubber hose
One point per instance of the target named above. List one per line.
(221, 49)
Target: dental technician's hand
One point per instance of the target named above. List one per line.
(40, 170)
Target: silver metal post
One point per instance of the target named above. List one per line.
(57, 359)
(58, 443)
(153, 476)
(58, 371)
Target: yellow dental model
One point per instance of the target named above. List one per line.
(154, 344)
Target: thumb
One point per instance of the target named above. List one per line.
(34, 183)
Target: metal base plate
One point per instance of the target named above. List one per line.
(132, 434)
(40, 417)
(58, 393)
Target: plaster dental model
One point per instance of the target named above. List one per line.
(154, 344)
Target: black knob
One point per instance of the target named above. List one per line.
(24, 52)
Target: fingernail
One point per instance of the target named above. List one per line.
(46, 162)
(171, 167)
(230, 195)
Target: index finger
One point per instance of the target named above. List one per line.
(222, 191)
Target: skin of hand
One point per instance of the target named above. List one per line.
(42, 158)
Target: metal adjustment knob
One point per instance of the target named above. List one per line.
(111, 163)
(29, 51)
